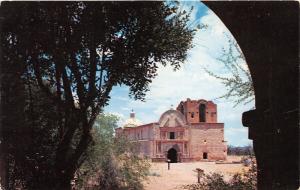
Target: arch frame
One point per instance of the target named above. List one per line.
(270, 45)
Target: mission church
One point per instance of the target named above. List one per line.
(189, 133)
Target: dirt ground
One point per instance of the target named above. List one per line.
(183, 173)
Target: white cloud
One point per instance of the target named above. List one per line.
(121, 116)
(191, 81)
(215, 25)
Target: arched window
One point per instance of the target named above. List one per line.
(202, 113)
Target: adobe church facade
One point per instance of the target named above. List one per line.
(189, 133)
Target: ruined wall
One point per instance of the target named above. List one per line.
(145, 132)
(190, 109)
(143, 135)
(208, 139)
(146, 148)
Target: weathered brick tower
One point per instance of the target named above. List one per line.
(196, 111)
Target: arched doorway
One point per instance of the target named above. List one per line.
(172, 155)
(204, 156)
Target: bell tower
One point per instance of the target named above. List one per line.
(198, 111)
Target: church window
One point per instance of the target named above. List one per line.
(172, 135)
(202, 113)
(192, 115)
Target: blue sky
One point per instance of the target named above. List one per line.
(191, 81)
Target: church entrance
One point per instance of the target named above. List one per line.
(172, 155)
(204, 155)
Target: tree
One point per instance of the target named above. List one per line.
(41, 139)
(30, 140)
(240, 150)
(77, 51)
(113, 162)
(239, 82)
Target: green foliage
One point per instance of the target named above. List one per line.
(112, 163)
(238, 83)
(247, 180)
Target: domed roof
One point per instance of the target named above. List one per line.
(172, 118)
(132, 121)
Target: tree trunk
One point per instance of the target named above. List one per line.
(63, 182)
(67, 165)
(64, 185)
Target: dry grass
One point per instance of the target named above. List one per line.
(183, 173)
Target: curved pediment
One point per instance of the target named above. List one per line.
(172, 118)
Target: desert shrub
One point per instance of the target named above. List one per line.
(216, 181)
(247, 180)
(112, 163)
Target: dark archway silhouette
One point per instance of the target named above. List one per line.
(273, 125)
(172, 155)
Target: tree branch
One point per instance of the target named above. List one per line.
(80, 86)
(93, 68)
(41, 83)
